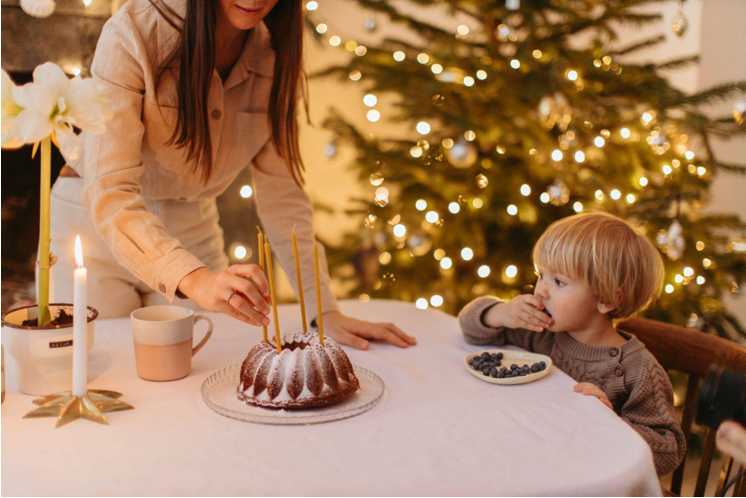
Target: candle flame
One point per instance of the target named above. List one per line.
(78, 252)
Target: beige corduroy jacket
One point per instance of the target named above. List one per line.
(131, 162)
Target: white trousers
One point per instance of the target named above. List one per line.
(112, 289)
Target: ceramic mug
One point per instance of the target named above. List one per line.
(163, 338)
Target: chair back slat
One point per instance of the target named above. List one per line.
(740, 486)
(724, 475)
(690, 351)
(704, 466)
(687, 418)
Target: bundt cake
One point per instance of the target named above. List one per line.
(304, 375)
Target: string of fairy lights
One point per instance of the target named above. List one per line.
(462, 153)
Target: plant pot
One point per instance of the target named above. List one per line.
(43, 356)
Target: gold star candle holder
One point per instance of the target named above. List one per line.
(67, 407)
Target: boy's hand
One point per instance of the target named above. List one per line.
(589, 389)
(521, 312)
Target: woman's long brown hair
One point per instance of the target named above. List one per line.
(194, 55)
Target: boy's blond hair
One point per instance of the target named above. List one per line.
(606, 253)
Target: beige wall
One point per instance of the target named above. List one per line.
(715, 31)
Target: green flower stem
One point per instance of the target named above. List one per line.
(44, 236)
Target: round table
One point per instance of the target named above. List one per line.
(438, 430)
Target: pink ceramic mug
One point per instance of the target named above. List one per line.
(163, 341)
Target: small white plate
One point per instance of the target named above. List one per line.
(520, 358)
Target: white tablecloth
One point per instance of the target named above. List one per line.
(438, 431)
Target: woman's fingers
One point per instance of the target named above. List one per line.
(372, 331)
(256, 275)
(396, 330)
(344, 337)
(227, 309)
(249, 290)
(238, 302)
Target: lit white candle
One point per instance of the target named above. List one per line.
(80, 325)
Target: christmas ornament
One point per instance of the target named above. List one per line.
(737, 244)
(331, 149)
(376, 179)
(503, 32)
(463, 154)
(672, 241)
(559, 193)
(679, 23)
(38, 8)
(739, 109)
(482, 181)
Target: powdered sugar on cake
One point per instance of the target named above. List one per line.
(304, 375)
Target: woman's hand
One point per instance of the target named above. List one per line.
(354, 332)
(521, 312)
(589, 389)
(240, 291)
(731, 439)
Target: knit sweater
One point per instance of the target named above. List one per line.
(636, 384)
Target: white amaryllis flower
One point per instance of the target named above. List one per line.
(10, 109)
(52, 105)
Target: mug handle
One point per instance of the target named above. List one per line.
(197, 318)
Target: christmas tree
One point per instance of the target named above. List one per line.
(527, 115)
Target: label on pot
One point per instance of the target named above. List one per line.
(61, 344)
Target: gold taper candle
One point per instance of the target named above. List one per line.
(261, 265)
(300, 283)
(268, 259)
(319, 319)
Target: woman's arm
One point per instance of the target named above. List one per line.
(113, 167)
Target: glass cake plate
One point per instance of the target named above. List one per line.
(219, 393)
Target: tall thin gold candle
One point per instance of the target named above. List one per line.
(261, 265)
(268, 257)
(300, 283)
(319, 319)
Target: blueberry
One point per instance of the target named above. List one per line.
(526, 368)
(493, 371)
(499, 356)
(485, 356)
(542, 365)
(500, 374)
(498, 363)
(514, 367)
(522, 373)
(475, 367)
(485, 372)
(471, 361)
(504, 369)
(493, 357)
(534, 368)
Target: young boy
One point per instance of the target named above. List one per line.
(592, 269)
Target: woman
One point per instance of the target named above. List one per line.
(198, 90)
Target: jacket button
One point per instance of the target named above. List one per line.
(162, 288)
(216, 114)
(619, 371)
(613, 351)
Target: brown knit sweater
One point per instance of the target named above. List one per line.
(635, 383)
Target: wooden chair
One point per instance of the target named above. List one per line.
(691, 352)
